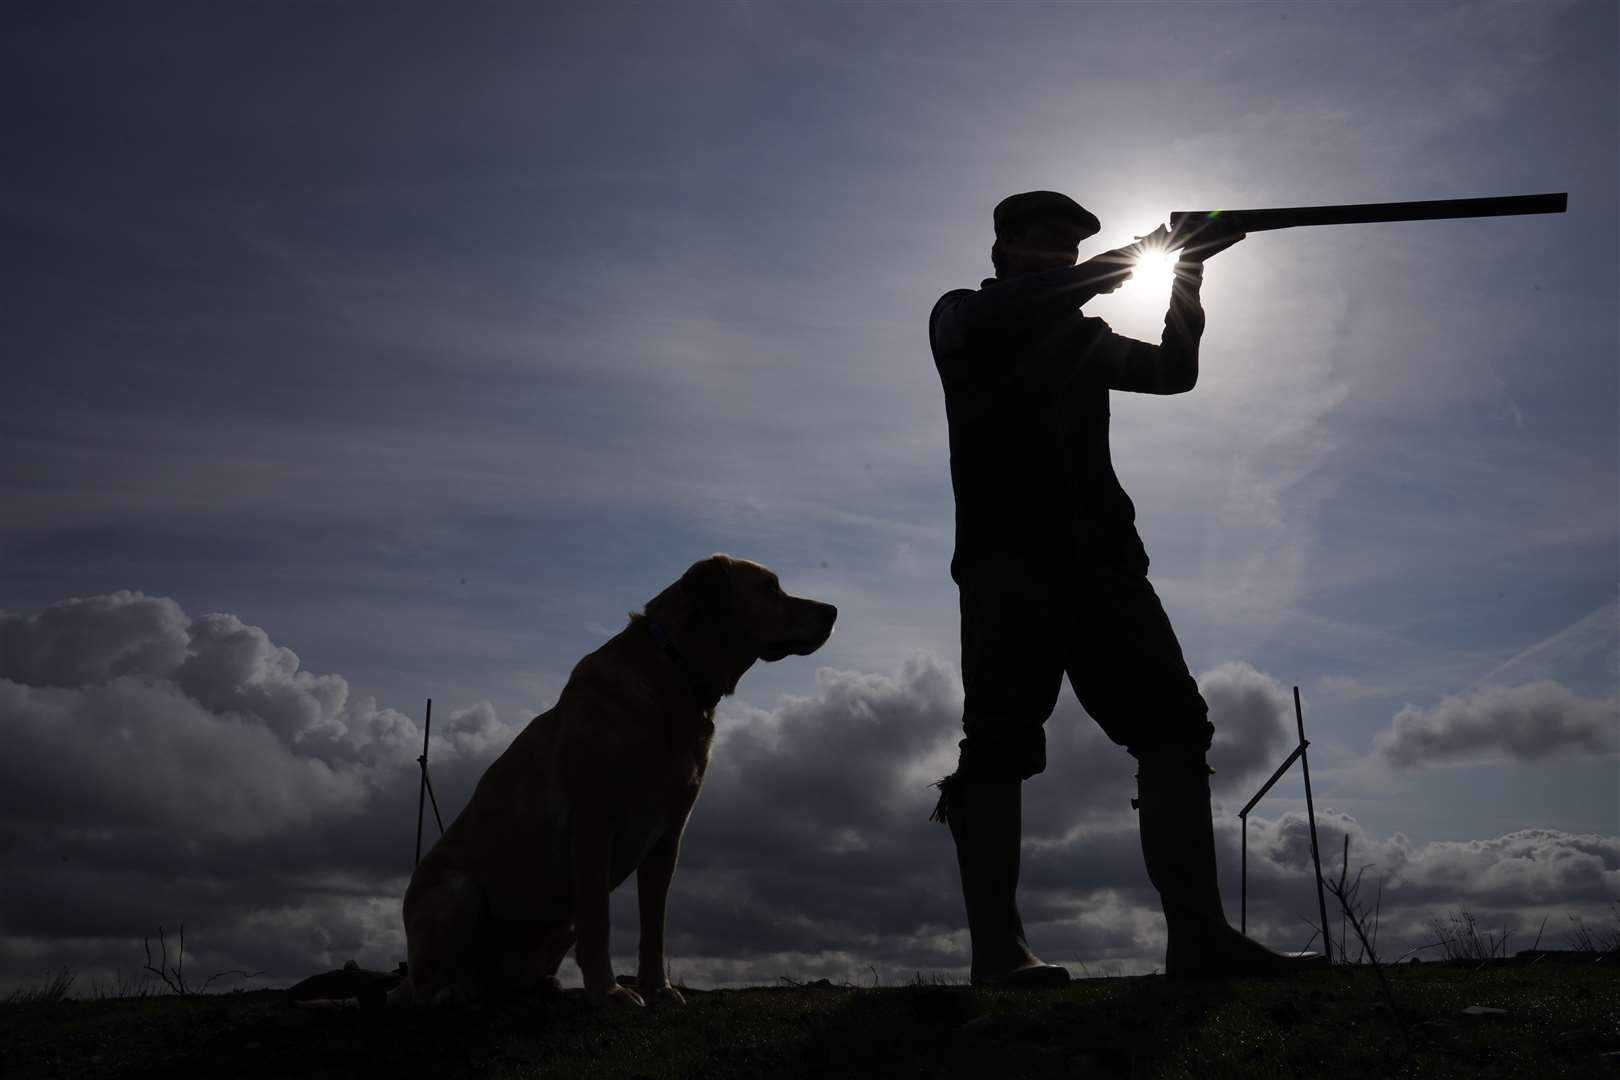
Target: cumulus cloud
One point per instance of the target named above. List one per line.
(1525, 867)
(164, 768)
(809, 848)
(1509, 882)
(1529, 722)
(139, 751)
(80, 642)
(1253, 716)
(126, 658)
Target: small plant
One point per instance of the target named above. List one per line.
(53, 989)
(174, 977)
(1364, 924)
(125, 986)
(1605, 940)
(1458, 937)
(932, 979)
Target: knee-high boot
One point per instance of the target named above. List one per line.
(986, 822)
(1178, 844)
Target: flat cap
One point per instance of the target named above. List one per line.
(1016, 209)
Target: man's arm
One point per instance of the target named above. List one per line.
(962, 317)
(1046, 293)
(1171, 367)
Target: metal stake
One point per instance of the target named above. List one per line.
(1243, 815)
(426, 787)
(1310, 810)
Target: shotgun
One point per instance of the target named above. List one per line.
(1184, 223)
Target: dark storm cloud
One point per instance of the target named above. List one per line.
(167, 769)
(1253, 718)
(810, 849)
(814, 828)
(77, 642)
(1529, 722)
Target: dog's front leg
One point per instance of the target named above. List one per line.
(593, 847)
(653, 876)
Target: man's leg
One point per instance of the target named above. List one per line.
(1178, 843)
(1129, 673)
(1012, 671)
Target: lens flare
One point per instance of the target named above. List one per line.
(1153, 272)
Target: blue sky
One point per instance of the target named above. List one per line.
(427, 344)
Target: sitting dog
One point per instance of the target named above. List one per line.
(596, 787)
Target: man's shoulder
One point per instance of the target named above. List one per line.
(951, 297)
(945, 321)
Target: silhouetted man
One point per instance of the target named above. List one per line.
(1053, 577)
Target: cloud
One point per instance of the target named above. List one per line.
(1524, 867)
(1528, 722)
(124, 655)
(1511, 882)
(79, 642)
(163, 769)
(167, 769)
(1253, 717)
(809, 849)
(141, 752)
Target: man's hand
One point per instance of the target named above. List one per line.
(1157, 240)
(1204, 239)
(1110, 270)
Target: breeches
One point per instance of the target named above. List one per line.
(1026, 624)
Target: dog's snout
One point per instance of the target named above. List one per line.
(823, 617)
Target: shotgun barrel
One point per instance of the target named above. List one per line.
(1288, 217)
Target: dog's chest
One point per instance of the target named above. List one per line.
(633, 839)
(670, 795)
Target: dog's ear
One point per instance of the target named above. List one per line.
(708, 586)
(701, 596)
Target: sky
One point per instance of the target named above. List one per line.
(357, 355)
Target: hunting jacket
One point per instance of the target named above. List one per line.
(1026, 378)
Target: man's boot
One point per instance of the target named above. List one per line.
(1178, 843)
(986, 821)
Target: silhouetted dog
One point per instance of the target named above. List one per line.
(598, 786)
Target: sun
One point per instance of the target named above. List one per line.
(1137, 308)
(1153, 272)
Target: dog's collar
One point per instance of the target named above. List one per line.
(703, 691)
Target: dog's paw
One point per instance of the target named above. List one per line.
(665, 995)
(619, 997)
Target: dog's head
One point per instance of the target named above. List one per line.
(743, 600)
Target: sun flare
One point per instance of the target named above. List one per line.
(1153, 272)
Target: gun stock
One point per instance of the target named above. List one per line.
(1289, 217)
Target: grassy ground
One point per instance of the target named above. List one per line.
(1559, 1021)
